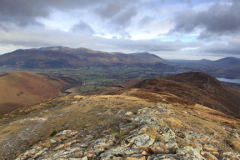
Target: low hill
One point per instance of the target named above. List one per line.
(24, 88)
(231, 73)
(224, 63)
(227, 62)
(63, 57)
(225, 96)
(148, 56)
(196, 87)
(128, 83)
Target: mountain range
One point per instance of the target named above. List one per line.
(224, 62)
(64, 57)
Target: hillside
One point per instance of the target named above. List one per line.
(226, 97)
(121, 127)
(24, 88)
(64, 57)
(227, 62)
(196, 87)
(128, 83)
(154, 119)
(148, 56)
(232, 73)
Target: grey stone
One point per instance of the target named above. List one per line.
(128, 127)
(189, 152)
(165, 156)
(142, 140)
(169, 135)
(40, 153)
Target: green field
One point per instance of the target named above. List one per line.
(99, 75)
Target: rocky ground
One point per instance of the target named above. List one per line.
(141, 135)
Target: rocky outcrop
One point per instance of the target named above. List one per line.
(143, 136)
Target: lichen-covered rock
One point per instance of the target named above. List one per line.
(40, 153)
(106, 142)
(144, 128)
(136, 158)
(189, 152)
(125, 128)
(142, 140)
(128, 114)
(209, 148)
(123, 151)
(93, 152)
(160, 147)
(165, 157)
(168, 133)
(148, 119)
(144, 137)
(209, 156)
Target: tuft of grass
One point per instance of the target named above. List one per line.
(173, 122)
(209, 156)
(53, 133)
(152, 133)
(119, 135)
(234, 143)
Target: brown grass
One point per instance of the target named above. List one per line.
(198, 88)
(67, 115)
(128, 83)
(153, 96)
(234, 143)
(81, 114)
(152, 133)
(25, 88)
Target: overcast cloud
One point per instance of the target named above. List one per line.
(221, 19)
(170, 29)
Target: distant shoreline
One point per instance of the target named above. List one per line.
(229, 80)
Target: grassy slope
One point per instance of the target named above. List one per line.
(214, 95)
(226, 97)
(25, 88)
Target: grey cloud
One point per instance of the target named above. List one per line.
(219, 19)
(144, 21)
(50, 38)
(110, 10)
(185, 22)
(125, 17)
(231, 48)
(3, 27)
(125, 34)
(83, 28)
(26, 12)
(22, 12)
(153, 45)
(178, 1)
(119, 23)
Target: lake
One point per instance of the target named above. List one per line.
(229, 80)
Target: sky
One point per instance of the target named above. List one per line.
(171, 29)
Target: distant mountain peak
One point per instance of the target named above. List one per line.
(141, 53)
(52, 48)
(206, 60)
